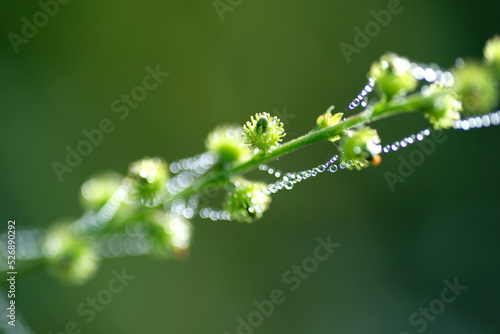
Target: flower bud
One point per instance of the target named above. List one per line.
(147, 179)
(263, 132)
(71, 258)
(476, 88)
(170, 234)
(246, 201)
(98, 190)
(327, 119)
(445, 108)
(226, 141)
(359, 147)
(393, 76)
(492, 54)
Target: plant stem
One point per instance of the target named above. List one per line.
(379, 111)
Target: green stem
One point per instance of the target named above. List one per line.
(410, 103)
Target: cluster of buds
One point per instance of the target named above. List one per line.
(392, 76)
(246, 201)
(263, 132)
(360, 146)
(143, 199)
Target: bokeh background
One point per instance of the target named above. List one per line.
(397, 247)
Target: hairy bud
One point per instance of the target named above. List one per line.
(492, 54)
(360, 146)
(263, 132)
(246, 201)
(71, 258)
(445, 108)
(392, 76)
(226, 141)
(147, 180)
(476, 88)
(99, 189)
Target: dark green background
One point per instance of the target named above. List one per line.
(397, 247)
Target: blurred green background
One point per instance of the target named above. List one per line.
(397, 247)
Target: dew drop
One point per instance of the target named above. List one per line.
(495, 120)
(273, 188)
(332, 168)
(449, 80)
(479, 123)
(418, 73)
(472, 123)
(486, 120)
(459, 63)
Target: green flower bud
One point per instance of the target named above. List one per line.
(360, 146)
(71, 258)
(492, 53)
(445, 108)
(476, 88)
(227, 142)
(263, 132)
(327, 119)
(98, 190)
(246, 201)
(147, 179)
(393, 76)
(171, 235)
